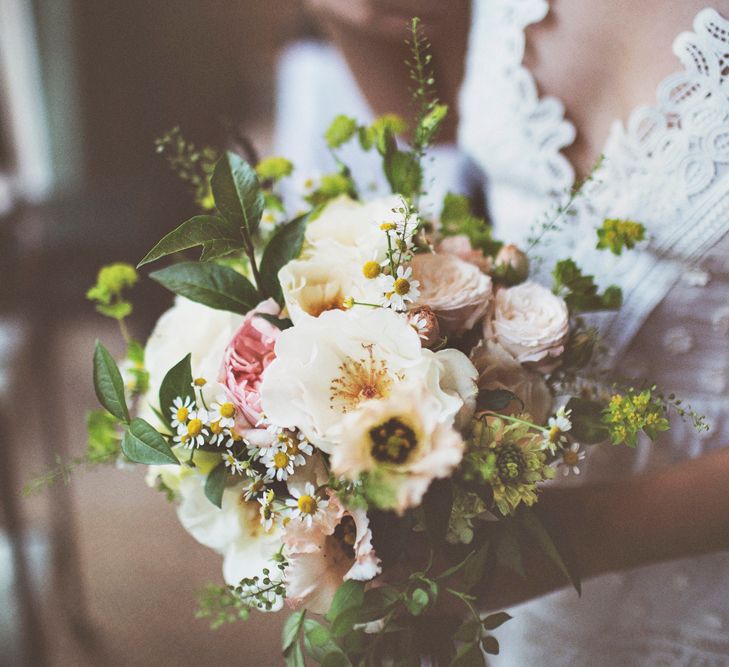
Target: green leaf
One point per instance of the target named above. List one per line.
(340, 131)
(404, 173)
(294, 657)
(108, 384)
(474, 570)
(209, 231)
(291, 628)
(350, 594)
(143, 444)
(586, 418)
(508, 550)
(177, 382)
(496, 399)
(377, 602)
(580, 291)
(215, 484)
(237, 192)
(469, 655)
(284, 246)
(335, 659)
(539, 533)
(468, 631)
(215, 286)
(493, 621)
(281, 324)
(318, 640)
(490, 645)
(437, 505)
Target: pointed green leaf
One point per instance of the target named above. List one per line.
(508, 549)
(215, 484)
(291, 629)
(108, 384)
(213, 285)
(177, 382)
(143, 444)
(469, 655)
(237, 192)
(539, 533)
(284, 246)
(294, 656)
(493, 621)
(403, 173)
(349, 594)
(204, 230)
(318, 640)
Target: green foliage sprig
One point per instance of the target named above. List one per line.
(580, 291)
(616, 235)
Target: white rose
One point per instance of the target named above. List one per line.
(497, 369)
(187, 327)
(457, 291)
(323, 280)
(354, 224)
(531, 323)
(234, 530)
(326, 367)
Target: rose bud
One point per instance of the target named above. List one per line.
(425, 323)
(511, 265)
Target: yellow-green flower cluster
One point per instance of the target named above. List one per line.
(508, 456)
(112, 280)
(616, 234)
(628, 414)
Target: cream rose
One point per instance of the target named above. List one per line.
(353, 224)
(457, 291)
(531, 323)
(497, 369)
(460, 246)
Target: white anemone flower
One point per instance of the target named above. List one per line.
(328, 366)
(401, 444)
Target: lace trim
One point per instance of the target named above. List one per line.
(528, 155)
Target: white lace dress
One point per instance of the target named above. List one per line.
(668, 168)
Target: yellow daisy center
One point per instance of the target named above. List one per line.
(570, 458)
(371, 269)
(227, 410)
(200, 382)
(194, 428)
(554, 433)
(280, 460)
(182, 414)
(215, 427)
(402, 286)
(307, 504)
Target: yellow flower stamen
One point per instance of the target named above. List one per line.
(182, 414)
(280, 460)
(215, 427)
(307, 504)
(194, 428)
(570, 458)
(200, 382)
(402, 286)
(348, 303)
(371, 269)
(227, 410)
(387, 226)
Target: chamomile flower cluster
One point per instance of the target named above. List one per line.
(196, 425)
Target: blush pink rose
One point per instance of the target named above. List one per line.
(248, 354)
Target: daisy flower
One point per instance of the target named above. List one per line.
(219, 434)
(397, 290)
(268, 513)
(233, 464)
(181, 409)
(305, 505)
(255, 486)
(571, 458)
(195, 431)
(420, 323)
(296, 446)
(557, 426)
(279, 464)
(224, 412)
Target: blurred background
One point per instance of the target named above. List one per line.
(99, 571)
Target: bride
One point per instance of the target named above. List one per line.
(548, 87)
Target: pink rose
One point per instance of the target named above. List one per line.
(248, 354)
(460, 246)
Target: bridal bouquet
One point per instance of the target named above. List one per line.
(357, 405)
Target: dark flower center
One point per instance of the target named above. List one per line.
(510, 463)
(393, 441)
